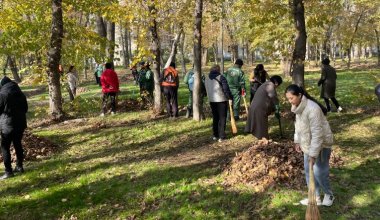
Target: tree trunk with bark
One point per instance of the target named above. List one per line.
(13, 66)
(299, 51)
(352, 39)
(173, 52)
(156, 64)
(181, 48)
(197, 97)
(204, 56)
(54, 57)
(110, 51)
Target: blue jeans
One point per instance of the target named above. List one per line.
(321, 171)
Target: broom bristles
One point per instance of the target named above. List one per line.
(312, 211)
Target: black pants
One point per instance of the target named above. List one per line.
(112, 95)
(14, 137)
(170, 93)
(219, 116)
(333, 99)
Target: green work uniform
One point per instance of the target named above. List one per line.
(236, 82)
(146, 81)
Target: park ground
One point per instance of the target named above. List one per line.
(130, 166)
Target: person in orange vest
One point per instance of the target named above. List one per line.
(170, 84)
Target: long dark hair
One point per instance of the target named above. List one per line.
(297, 90)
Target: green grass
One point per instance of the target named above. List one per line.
(129, 166)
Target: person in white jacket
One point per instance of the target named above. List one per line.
(314, 138)
(72, 78)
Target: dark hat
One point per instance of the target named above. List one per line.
(326, 61)
(239, 62)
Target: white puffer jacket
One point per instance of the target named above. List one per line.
(312, 131)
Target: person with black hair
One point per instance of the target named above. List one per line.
(13, 109)
(170, 83)
(257, 78)
(328, 82)
(110, 87)
(313, 137)
(236, 82)
(219, 96)
(263, 104)
(146, 83)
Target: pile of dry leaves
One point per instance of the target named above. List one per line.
(34, 147)
(266, 165)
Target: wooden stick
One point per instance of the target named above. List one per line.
(233, 122)
(245, 104)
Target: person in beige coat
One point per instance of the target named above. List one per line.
(314, 138)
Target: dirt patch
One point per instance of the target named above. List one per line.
(263, 166)
(34, 147)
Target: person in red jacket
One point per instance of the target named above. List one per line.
(110, 86)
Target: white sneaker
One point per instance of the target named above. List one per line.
(339, 109)
(328, 200)
(214, 138)
(220, 140)
(112, 113)
(102, 115)
(306, 201)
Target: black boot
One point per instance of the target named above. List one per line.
(18, 169)
(6, 175)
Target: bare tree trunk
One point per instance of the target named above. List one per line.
(101, 27)
(215, 50)
(204, 56)
(181, 48)
(286, 64)
(197, 98)
(299, 52)
(13, 66)
(130, 44)
(352, 39)
(155, 48)
(110, 51)
(378, 46)
(85, 61)
(173, 52)
(54, 57)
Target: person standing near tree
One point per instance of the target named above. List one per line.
(170, 83)
(257, 78)
(314, 138)
(189, 81)
(13, 109)
(146, 82)
(98, 73)
(219, 96)
(263, 104)
(72, 79)
(236, 83)
(377, 91)
(110, 87)
(328, 82)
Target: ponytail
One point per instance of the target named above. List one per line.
(297, 90)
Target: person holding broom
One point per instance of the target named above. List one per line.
(263, 104)
(219, 96)
(314, 138)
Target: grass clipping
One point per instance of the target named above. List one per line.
(312, 212)
(266, 165)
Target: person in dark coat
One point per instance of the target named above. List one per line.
(377, 91)
(13, 108)
(257, 78)
(219, 96)
(263, 104)
(328, 82)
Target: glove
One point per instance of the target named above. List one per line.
(230, 102)
(243, 92)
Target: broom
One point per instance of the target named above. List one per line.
(312, 212)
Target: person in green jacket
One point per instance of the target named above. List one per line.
(236, 82)
(98, 72)
(146, 82)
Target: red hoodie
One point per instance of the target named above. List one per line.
(109, 81)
